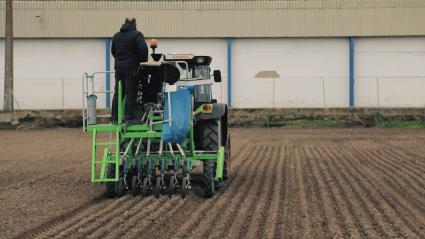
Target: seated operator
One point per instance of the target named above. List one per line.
(129, 50)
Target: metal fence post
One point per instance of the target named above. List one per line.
(377, 90)
(63, 93)
(274, 106)
(324, 92)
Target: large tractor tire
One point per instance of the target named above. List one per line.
(208, 138)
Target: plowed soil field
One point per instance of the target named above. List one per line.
(285, 183)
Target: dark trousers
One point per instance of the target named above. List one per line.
(128, 79)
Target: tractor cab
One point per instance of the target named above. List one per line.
(192, 68)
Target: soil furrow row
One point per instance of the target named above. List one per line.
(413, 152)
(337, 221)
(215, 208)
(151, 218)
(233, 184)
(171, 214)
(352, 191)
(221, 206)
(46, 230)
(409, 214)
(247, 203)
(290, 204)
(76, 220)
(83, 229)
(261, 208)
(397, 219)
(396, 185)
(270, 219)
(382, 217)
(320, 219)
(417, 164)
(398, 162)
(303, 223)
(395, 163)
(122, 223)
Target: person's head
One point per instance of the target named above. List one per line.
(130, 20)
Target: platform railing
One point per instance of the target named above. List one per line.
(89, 88)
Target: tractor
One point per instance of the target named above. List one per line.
(180, 134)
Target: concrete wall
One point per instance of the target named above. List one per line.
(390, 72)
(313, 72)
(48, 72)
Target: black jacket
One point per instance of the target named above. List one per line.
(129, 47)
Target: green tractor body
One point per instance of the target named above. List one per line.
(144, 156)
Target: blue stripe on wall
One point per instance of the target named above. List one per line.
(108, 69)
(229, 71)
(352, 69)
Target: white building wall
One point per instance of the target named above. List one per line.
(313, 72)
(390, 72)
(48, 72)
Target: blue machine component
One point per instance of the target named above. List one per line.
(181, 115)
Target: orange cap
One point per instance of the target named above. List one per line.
(153, 42)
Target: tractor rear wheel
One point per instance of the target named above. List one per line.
(209, 139)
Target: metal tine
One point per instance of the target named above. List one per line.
(170, 146)
(148, 151)
(128, 148)
(138, 146)
(161, 145)
(144, 117)
(181, 151)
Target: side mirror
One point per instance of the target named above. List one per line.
(217, 75)
(169, 73)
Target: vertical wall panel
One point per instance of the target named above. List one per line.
(313, 72)
(42, 66)
(390, 72)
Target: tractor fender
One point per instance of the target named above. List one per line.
(218, 111)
